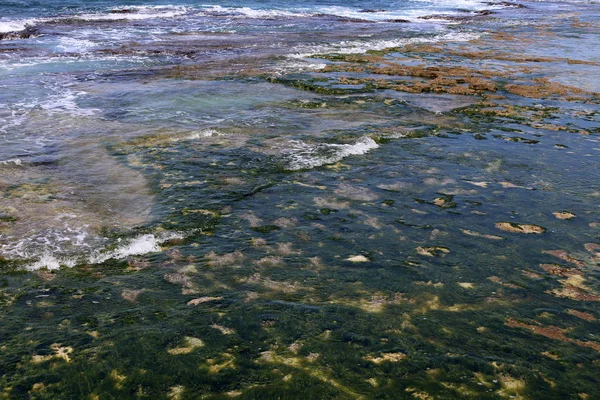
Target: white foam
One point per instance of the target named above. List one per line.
(247, 12)
(202, 134)
(16, 25)
(474, 5)
(307, 156)
(47, 260)
(445, 7)
(137, 13)
(359, 47)
(65, 102)
(50, 262)
(48, 247)
(298, 65)
(409, 14)
(21, 64)
(140, 245)
(72, 45)
(50, 251)
(12, 161)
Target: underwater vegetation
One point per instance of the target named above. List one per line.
(413, 222)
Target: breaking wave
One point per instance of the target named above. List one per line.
(307, 156)
(57, 249)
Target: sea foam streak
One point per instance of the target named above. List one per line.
(144, 244)
(408, 14)
(66, 102)
(306, 156)
(247, 12)
(359, 47)
(12, 161)
(51, 257)
(16, 25)
(136, 13)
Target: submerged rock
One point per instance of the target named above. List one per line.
(204, 299)
(564, 214)
(357, 259)
(520, 228)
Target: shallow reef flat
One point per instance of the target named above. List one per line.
(416, 221)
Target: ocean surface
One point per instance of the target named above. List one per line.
(258, 199)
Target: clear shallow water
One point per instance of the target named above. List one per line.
(231, 200)
(70, 80)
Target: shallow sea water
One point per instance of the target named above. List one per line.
(319, 201)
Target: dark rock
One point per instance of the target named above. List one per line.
(368, 10)
(6, 217)
(357, 20)
(505, 4)
(24, 34)
(123, 11)
(404, 21)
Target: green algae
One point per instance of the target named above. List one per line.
(266, 283)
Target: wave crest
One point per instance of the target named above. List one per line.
(307, 156)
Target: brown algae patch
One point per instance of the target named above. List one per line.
(444, 74)
(286, 249)
(593, 248)
(190, 344)
(499, 281)
(466, 285)
(356, 193)
(131, 295)
(278, 286)
(574, 292)
(270, 261)
(117, 378)
(175, 392)
(60, 352)
(188, 287)
(224, 330)
(229, 259)
(542, 88)
(419, 394)
(371, 303)
(559, 270)
(550, 355)
(563, 255)
(444, 202)
(520, 228)
(224, 361)
(551, 332)
(429, 283)
(433, 251)
(582, 315)
(334, 204)
(512, 387)
(386, 357)
(307, 365)
(285, 223)
(482, 235)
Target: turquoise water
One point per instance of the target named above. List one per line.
(317, 200)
